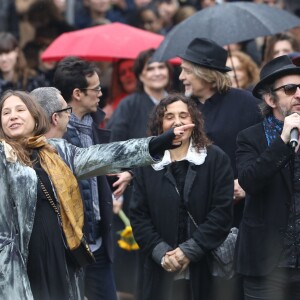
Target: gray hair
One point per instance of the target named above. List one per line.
(47, 97)
(264, 107)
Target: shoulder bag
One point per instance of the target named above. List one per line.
(82, 256)
(222, 256)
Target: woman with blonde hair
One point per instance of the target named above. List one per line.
(245, 72)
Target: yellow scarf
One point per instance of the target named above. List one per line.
(66, 188)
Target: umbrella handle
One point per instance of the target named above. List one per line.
(233, 69)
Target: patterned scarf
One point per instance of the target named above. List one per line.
(66, 188)
(273, 128)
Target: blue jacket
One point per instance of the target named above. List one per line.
(92, 228)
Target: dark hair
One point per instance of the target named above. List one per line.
(149, 7)
(155, 123)
(272, 40)
(265, 109)
(72, 73)
(22, 73)
(116, 88)
(139, 64)
(40, 119)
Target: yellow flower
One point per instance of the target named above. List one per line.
(127, 232)
(126, 241)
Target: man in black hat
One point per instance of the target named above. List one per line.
(268, 162)
(226, 110)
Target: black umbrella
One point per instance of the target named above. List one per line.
(225, 24)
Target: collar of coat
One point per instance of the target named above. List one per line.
(192, 156)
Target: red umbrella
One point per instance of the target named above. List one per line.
(108, 42)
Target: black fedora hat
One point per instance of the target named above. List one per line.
(206, 53)
(274, 69)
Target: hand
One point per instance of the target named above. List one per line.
(179, 131)
(175, 260)
(180, 257)
(290, 122)
(239, 193)
(121, 184)
(117, 205)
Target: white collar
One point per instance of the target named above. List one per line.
(192, 156)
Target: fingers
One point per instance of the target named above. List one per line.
(174, 260)
(179, 131)
(290, 122)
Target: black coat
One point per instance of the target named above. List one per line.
(208, 193)
(225, 115)
(264, 173)
(130, 118)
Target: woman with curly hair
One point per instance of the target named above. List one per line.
(181, 208)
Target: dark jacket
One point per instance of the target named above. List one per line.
(92, 229)
(225, 115)
(264, 174)
(130, 118)
(154, 214)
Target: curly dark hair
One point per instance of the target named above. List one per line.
(155, 124)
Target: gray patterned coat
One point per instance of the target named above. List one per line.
(18, 192)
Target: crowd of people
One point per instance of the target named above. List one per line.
(186, 151)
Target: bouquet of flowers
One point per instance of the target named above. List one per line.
(126, 241)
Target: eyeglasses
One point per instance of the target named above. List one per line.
(289, 89)
(97, 89)
(68, 109)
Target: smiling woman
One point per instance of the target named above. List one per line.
(39, 236)
(16, 119)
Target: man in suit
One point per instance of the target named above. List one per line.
(268, 247)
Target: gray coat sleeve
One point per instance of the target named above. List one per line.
(102, 159)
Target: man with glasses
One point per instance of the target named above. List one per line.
(56, 108)
(268, 161)
(79, 83)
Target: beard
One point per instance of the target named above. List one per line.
(188, 93)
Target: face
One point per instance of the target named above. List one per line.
(155, 76)
(176, 115)
(127, 77)
(282, 48)
(241, 79)
(192, 84)
(150, 21)
(167, 10)
(64, 116)
(89, 97)
(286, 104)
(8, 61)
(100, 6)
(16, 120)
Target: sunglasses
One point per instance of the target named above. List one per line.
(289, 89)
(68, 109)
